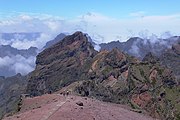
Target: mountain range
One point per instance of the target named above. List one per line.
(136, 46)
(139, 47)
(149, 85)
(111, 76)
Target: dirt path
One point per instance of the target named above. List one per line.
(54, 110)
(58, 107)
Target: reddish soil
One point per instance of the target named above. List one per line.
(141, 99)
(58, 107)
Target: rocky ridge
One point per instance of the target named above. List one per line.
(111, 76)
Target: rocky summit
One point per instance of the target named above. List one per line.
(61, 64)
(113, 76)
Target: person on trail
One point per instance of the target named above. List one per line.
(63, 93)
(67, 92)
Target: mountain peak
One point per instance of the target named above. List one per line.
(61, 64)
(55, 40)
(78, 33)
(71, 43)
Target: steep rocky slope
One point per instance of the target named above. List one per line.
(111, 76)
(146, 86)
(7, 50)
(11, 89)
(61, 64)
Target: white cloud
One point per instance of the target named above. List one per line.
(25, 17)
(5, 61)
(18, 64)
(138, 14)
(25, 44)
(100, 27)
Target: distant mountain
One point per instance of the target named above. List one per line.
(140, 47)
(20, 36)
(7, 50)
(55, 40)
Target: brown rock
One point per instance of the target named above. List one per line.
(80, 103)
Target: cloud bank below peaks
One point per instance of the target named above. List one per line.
(11, 65)
(101, 28)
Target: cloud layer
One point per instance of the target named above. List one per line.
(11, 65)
(100, 27)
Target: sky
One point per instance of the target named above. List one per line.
(72, 8)
(103, 20)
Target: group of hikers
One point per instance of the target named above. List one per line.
(65, 93)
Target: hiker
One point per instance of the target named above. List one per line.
(64, 93)
(67, 92)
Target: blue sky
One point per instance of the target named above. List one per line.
(72, 8)
(103, 20)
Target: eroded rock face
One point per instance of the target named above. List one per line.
(61, 64)
(146, 83)
(11, 89)
(147, 87)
